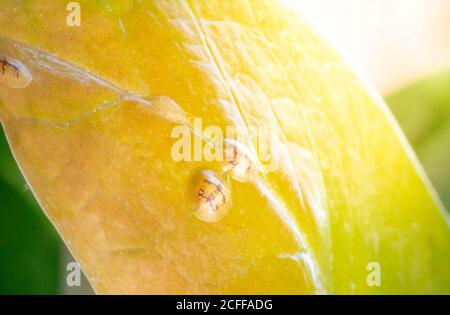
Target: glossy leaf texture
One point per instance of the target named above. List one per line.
(91, 120)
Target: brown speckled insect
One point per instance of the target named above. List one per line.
(14, 73)
(213, 197)
(211, 194)
(239, 165)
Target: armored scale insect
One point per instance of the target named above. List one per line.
(13, 73)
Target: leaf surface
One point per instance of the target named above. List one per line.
(92, 133)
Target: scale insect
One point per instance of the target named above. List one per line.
(239, 165)
(13, 73)
(213, 197)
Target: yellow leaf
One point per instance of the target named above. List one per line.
(92, 130)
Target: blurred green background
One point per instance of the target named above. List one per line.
(33, 257)
(423, 112)
(30, 249)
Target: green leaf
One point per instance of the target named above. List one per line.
(423, 111)
(29, 246)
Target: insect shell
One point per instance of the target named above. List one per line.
(213, 197)
(13, 73)
(238, 163)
